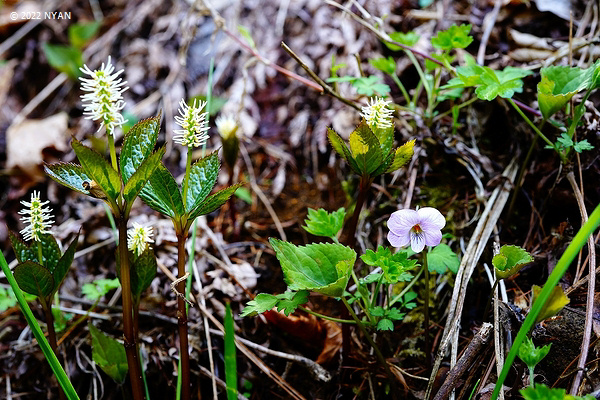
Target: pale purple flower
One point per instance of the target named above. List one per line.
(417, 228)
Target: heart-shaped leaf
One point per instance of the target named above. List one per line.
(138, 145)
(69, 175)
(442, 258)
(99, 169)
(162, 194)
(141, 176)
(202, 179)
(321, 267)
(213, 202)
(510, 260)
(109, 355)
(143, 271)
(63, 265)
(34, 279)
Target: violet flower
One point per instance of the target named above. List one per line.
(417, 228)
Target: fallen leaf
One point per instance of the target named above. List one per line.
(26, 141)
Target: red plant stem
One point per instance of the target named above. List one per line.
(129, 333)
(182, 320)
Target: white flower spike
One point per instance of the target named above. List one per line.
(226, 126)
(417, 228)
(194, 124)
(37, 218)
(138, 238)
(378, 114)
(104, 100)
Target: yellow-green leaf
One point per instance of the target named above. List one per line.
(403, 155)
(557, 300)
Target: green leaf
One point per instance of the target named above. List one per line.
(162, 194)
(370, 86)
(402, 155)
(100, 287)
(109, 355)
(143, 272)
(322, 223)
(230, 359)
(34, 279)
(22, 251)
(530, 354)
(342, 149)
(455, 37)
(99, 169)
(63, 265)
(202, 178)
(50, 252)
(395, 267)
(261, 303)
(385, 65)
(542, 392)
(385, 325)
(246, 34)
(501, 83)
(442, 258)
(366, 149)
(81, 34)
(69, 175)
(510, 260)
(141, 176)
(582, 145)
(557, 300)
(408, 39)
(321, 267)
(67, 59)
(7, 299)
(290, 301)
(138, 145)
(213, 202)
(244, 194)
(395, 314)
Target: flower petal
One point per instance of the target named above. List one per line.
(402, 221)
(432, 237)
(430, 218)
(417, 242)
(398, 241)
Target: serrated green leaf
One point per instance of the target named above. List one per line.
(290, 301)
(395, 314)
(408, 39)
(395, 266)
(100, 287)
(81, 34)
(202, 178)
(34, 279)
(510, 260)
(67, 59)
(322, 223)
(69, 175)
(138, 145)
(261, 303)
(385, 65)
(500, 83)
(385, 325)
(162, 194)
(445, 58)
(366, 149)
(213, 201)
(582, 145)
(50, 252)
(22, 251)
(402, 155)
(7, 299)
(63, 265)
(143, 272)
(321, 267)
(342, 149)
(557, 300)
(370, 86)
(109, 355)
(455, 37)
(542, 392)
(442, 258)
(530, 354)
(99, 169)
(141, 176)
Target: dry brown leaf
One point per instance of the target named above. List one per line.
(26, 141)
(333, 342)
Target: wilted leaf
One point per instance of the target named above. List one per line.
(557, 300)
